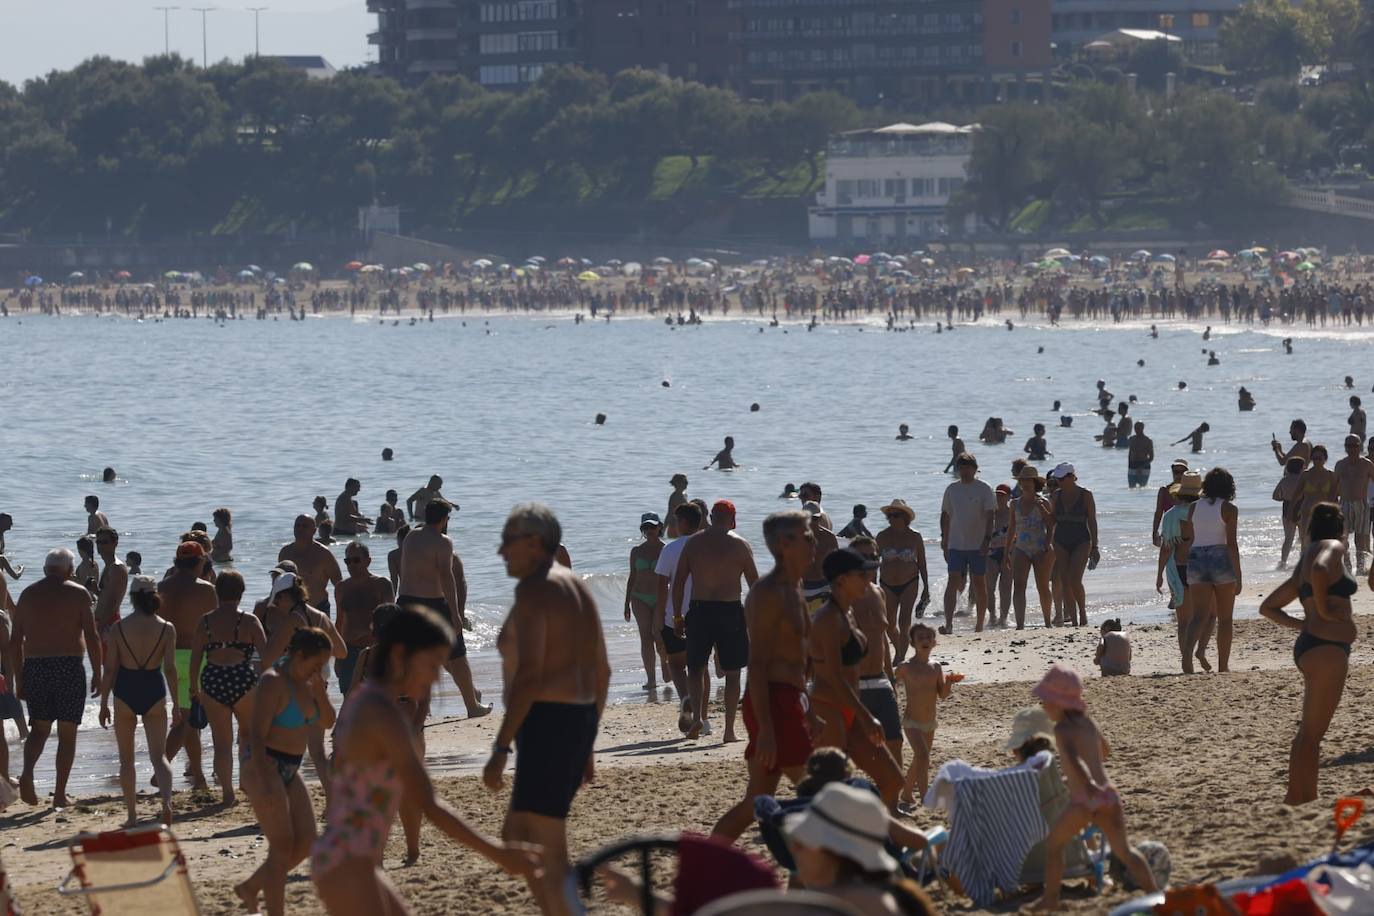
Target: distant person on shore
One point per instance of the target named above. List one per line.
(1139, 458)
(186, 599)
(956, 446)
(856, 527)
(557, 677)
(416, 502)
(1195, 438)
(223, 544)
(1354, 477)
(139, 666)
(1036, 448)
(675, 499)
(1092, 798)
(1323, 586)
(725, 458)
(53, 628)
(95, 519)
(1356, 418)
(966, 519)
(641, 595)
(777, 717)
(1214, 573)
(1302, 448)
(348, 521)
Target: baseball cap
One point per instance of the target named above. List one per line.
(142, 584)
(846, 560)
(1179, 463)
(285, 566)
(1061, 471)
(282, 583)
(189, 549)
(650, 518)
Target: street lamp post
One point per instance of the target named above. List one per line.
(256, 11)
(166, 28)
(204, 45)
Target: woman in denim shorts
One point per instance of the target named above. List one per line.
(1214, 562)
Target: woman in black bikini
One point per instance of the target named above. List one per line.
(903, 555)
(141, 691)
(226, 641)
(1326, 634)
(1075, 541)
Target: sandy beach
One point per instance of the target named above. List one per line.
(1200, 762)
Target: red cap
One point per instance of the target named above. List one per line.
(189, 549)
(723, 505)
(1003, 488)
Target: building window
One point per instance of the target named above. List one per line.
(1016, 49)
(1202, 21)
(866, 187)
(519, 11)
(894, 187)
(1016, 15)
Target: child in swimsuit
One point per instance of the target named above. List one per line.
(924, 684)
(1113, 650)
(1092, 798)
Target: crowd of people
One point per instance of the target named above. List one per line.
(827, 649)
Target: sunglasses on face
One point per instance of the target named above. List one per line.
(351, 560)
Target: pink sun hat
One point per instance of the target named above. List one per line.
(1061, 687)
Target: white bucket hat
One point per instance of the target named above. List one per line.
(851, 823)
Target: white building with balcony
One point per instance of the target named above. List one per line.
(890, 185)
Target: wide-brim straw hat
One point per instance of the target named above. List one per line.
(899, 507)
(847, 822)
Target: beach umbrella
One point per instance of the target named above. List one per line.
(862, 260)
(536, 259)
(148, 286)
(1219, 254)
(904, 274)
(1306, 265)
(370, 269)
(1057, 253)
(34, 280)
(964, 271)
(481, 263)
(928, 262)
(567, 262)
(817, 262)
(1248, 254)
(351, 265)
(1141, 255)
(695, 262)
(1100, 260)
(76, 275)
(1288, 256)
(662, 261)
(279, 281)
(589, 276)
(1164, 257)
(254, 268)
(616, 262)
(760, 262)
(123, 275)
(247, 275)
(422, 267)
(304, 267)
(632, 268)
(586, 262)
(1212, 264)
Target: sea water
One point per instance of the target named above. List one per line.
(261, 416)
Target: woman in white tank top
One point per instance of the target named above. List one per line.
(1214, 577)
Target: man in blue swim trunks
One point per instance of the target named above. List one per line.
(966, 521)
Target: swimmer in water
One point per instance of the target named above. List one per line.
(903, 433)
(1195, 437)
(1036, 449)
(956, 444)
(725, 458)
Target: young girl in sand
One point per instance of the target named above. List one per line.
(1092, 798)
(924, 683)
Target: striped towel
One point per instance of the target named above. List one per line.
(995, 822)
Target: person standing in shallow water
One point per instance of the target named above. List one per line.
(641, 595)
(675, 499)
(186, 598)
(725, 458)
(1139, 458)
(557, 678)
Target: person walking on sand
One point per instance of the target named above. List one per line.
(1092, 798)
(641, 595)
(1176, 539)
(557, 677)
(715, 560)
(875, 671)
(113, 582)
(1214, 575)
(1354, 477)
(690, 517)
(966, 520)
(186, 598)
(427, 579)
(377, 765)
(139, 668)
(1139, 458)
(1075, 540)
(1317, 484)
(53, 628)
(358, 595)
(904, 575)
(1163, 500)
(777, 716)
(315, 562)
(725, 458)
(1029, 547)
(1322, 584)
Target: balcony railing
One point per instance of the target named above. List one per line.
(832, 35)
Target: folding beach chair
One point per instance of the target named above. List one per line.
(131, 873)
(707, 869)
(778, 903)
(8, 906)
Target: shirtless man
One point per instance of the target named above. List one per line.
(348, 521)
(725, 458)
(1139, 458)
(675, 499)
(875, 671)
(358, 597)
(430, 576)
(114, 581)
(95, 519)
(557, 674)
(1354, 473)
(416, 502)
(1302, 448)
(810, 492)
(715, 560)
(689, 518)
(53, 627)
(776, 712)
(315, 562)
(815, 587)
(186, 598)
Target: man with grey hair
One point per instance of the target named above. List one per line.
(53, 626)
(557, 677)
(775, 710)
(358, 596)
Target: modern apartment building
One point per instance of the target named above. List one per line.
(1074, 23)
(888, 50)
(890, 186)
(686, 39)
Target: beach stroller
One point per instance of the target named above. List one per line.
(709, 870)
(133, 872)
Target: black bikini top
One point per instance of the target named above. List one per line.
(1344, 587)
(853, 651)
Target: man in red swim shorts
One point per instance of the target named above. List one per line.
(775, 613)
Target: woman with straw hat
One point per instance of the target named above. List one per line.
(1029, 544)
(903, 555)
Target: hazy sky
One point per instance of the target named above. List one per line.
(42, 35)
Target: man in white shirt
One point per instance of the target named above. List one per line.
(689, 516)
(966, 520)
